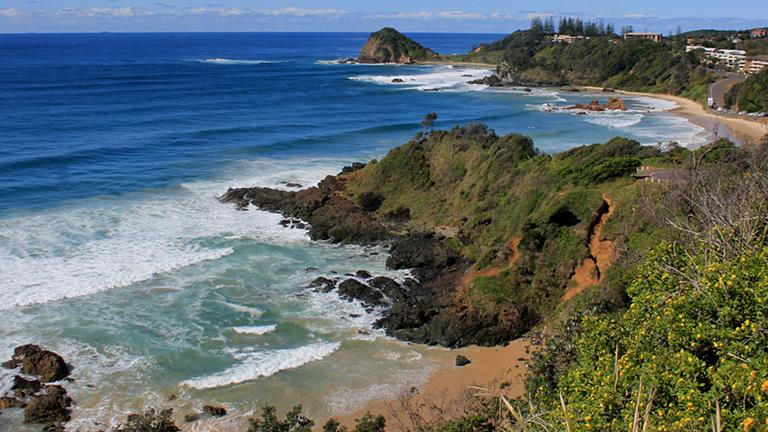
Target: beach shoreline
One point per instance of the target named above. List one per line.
(447, 391)
(742, 130)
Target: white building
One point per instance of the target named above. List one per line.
(734, 59)
(567, 38)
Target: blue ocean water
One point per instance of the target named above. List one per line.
(115, 252)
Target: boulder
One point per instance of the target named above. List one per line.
(51, 406)
(362, 274)
(462, 361)
(189, 418)
(418, 251)
(214, 411)
(352, 289)
(23, 387)
(34, 360)
(397, 80)
(322, 284)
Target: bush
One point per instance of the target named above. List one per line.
(693, 346)
(269, 422)
(149, 421)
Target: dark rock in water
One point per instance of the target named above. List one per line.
(34, 360)
(293, 185)
(467, 76)
(285, 222)
(527, 90)
(214, 411)
(10, 402)
(491, 81)
(362, 274)
(189, 418)
(352, 289)
(462, 361)
(49, 407)
(322, 284)
(353, 315)
(389, 287)
(24, 387)
(397, 80)
(310, 269)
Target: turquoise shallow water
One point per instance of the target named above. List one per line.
(115, 252)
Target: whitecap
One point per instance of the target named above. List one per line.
(225, 61)
(255, 330)
(263, 364)
(441, 78)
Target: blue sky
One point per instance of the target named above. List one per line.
(493, 16)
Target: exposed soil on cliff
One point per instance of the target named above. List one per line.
(601, 254)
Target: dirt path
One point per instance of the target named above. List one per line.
(592, 269)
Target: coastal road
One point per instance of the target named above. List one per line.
(718, 90)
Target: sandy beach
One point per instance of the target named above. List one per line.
(449, 390)
(742, 130)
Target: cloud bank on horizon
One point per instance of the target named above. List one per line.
(491, 16)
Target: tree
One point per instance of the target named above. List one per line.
(429, 121)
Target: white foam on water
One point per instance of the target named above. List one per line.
(225, 61)
(104, 243)
(254, 312)
(615, 120)
(441, 78)
(255, 365)
(255, 330)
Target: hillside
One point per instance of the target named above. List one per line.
(498, 233)
(532, 59)
(751, 95)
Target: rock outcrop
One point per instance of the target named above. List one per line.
(33, 360)
(390, 46)
(613, 104)
(51, 406)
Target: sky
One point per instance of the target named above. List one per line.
(477, 16)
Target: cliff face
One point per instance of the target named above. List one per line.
(390, 46)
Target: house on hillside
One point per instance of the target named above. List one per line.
(656, 37)
(759, 33)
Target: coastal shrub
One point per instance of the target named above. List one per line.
(269, 421)
(149, 421)
(370, 423)
(753, 95)
(686, 352)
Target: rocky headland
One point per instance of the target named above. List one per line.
(493, 231)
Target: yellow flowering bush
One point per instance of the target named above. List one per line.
(695, 336)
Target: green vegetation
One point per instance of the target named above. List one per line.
(149, 421)
(491, 190)
(751, 95)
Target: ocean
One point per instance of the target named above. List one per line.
(115, 252)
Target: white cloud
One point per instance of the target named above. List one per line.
(12, 13)
(454, 15)
(532, 15)
(294, 11)
(120, 12)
